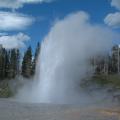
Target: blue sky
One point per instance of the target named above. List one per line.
(46, 13)
(58, 9)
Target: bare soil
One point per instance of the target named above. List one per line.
(11, 110)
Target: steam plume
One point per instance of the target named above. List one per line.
(63, 61)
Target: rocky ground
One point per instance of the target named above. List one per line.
(11, 110)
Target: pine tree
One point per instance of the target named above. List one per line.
(7, 63)
(35, 58)
(17, 62)
(14, 63)
(27, 63)
(114, 59)
(2, 63)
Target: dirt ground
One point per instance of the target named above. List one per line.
(11, 110)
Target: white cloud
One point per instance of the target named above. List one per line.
(116, 4)
(14, 21)
(113, 19)
(35, 1)
(2, 33)
(8, 4)
(15, 4)
(14, 41)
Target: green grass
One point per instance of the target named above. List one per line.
(113, 80)
(103, 80)
(5, 91)
(100, 79)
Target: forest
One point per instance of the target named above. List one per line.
(12, 64)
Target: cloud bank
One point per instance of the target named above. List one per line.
(116, 4)
(14, 41)
(14, 21)
(15, 4)
(113, 19)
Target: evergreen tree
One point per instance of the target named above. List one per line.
(114, 59)
(35, 58)
(2, 63)
(18, 61)
(7, 64)
(13, 67)
(27, 63)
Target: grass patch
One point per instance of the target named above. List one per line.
(5, 91)
(102, 80)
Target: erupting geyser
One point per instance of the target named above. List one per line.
(64, 60)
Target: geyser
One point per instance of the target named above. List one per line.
(64, 60)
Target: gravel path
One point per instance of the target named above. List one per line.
(11, 110)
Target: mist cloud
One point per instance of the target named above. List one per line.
(63, 61)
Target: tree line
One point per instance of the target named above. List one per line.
(109, 63)
(13, 65)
